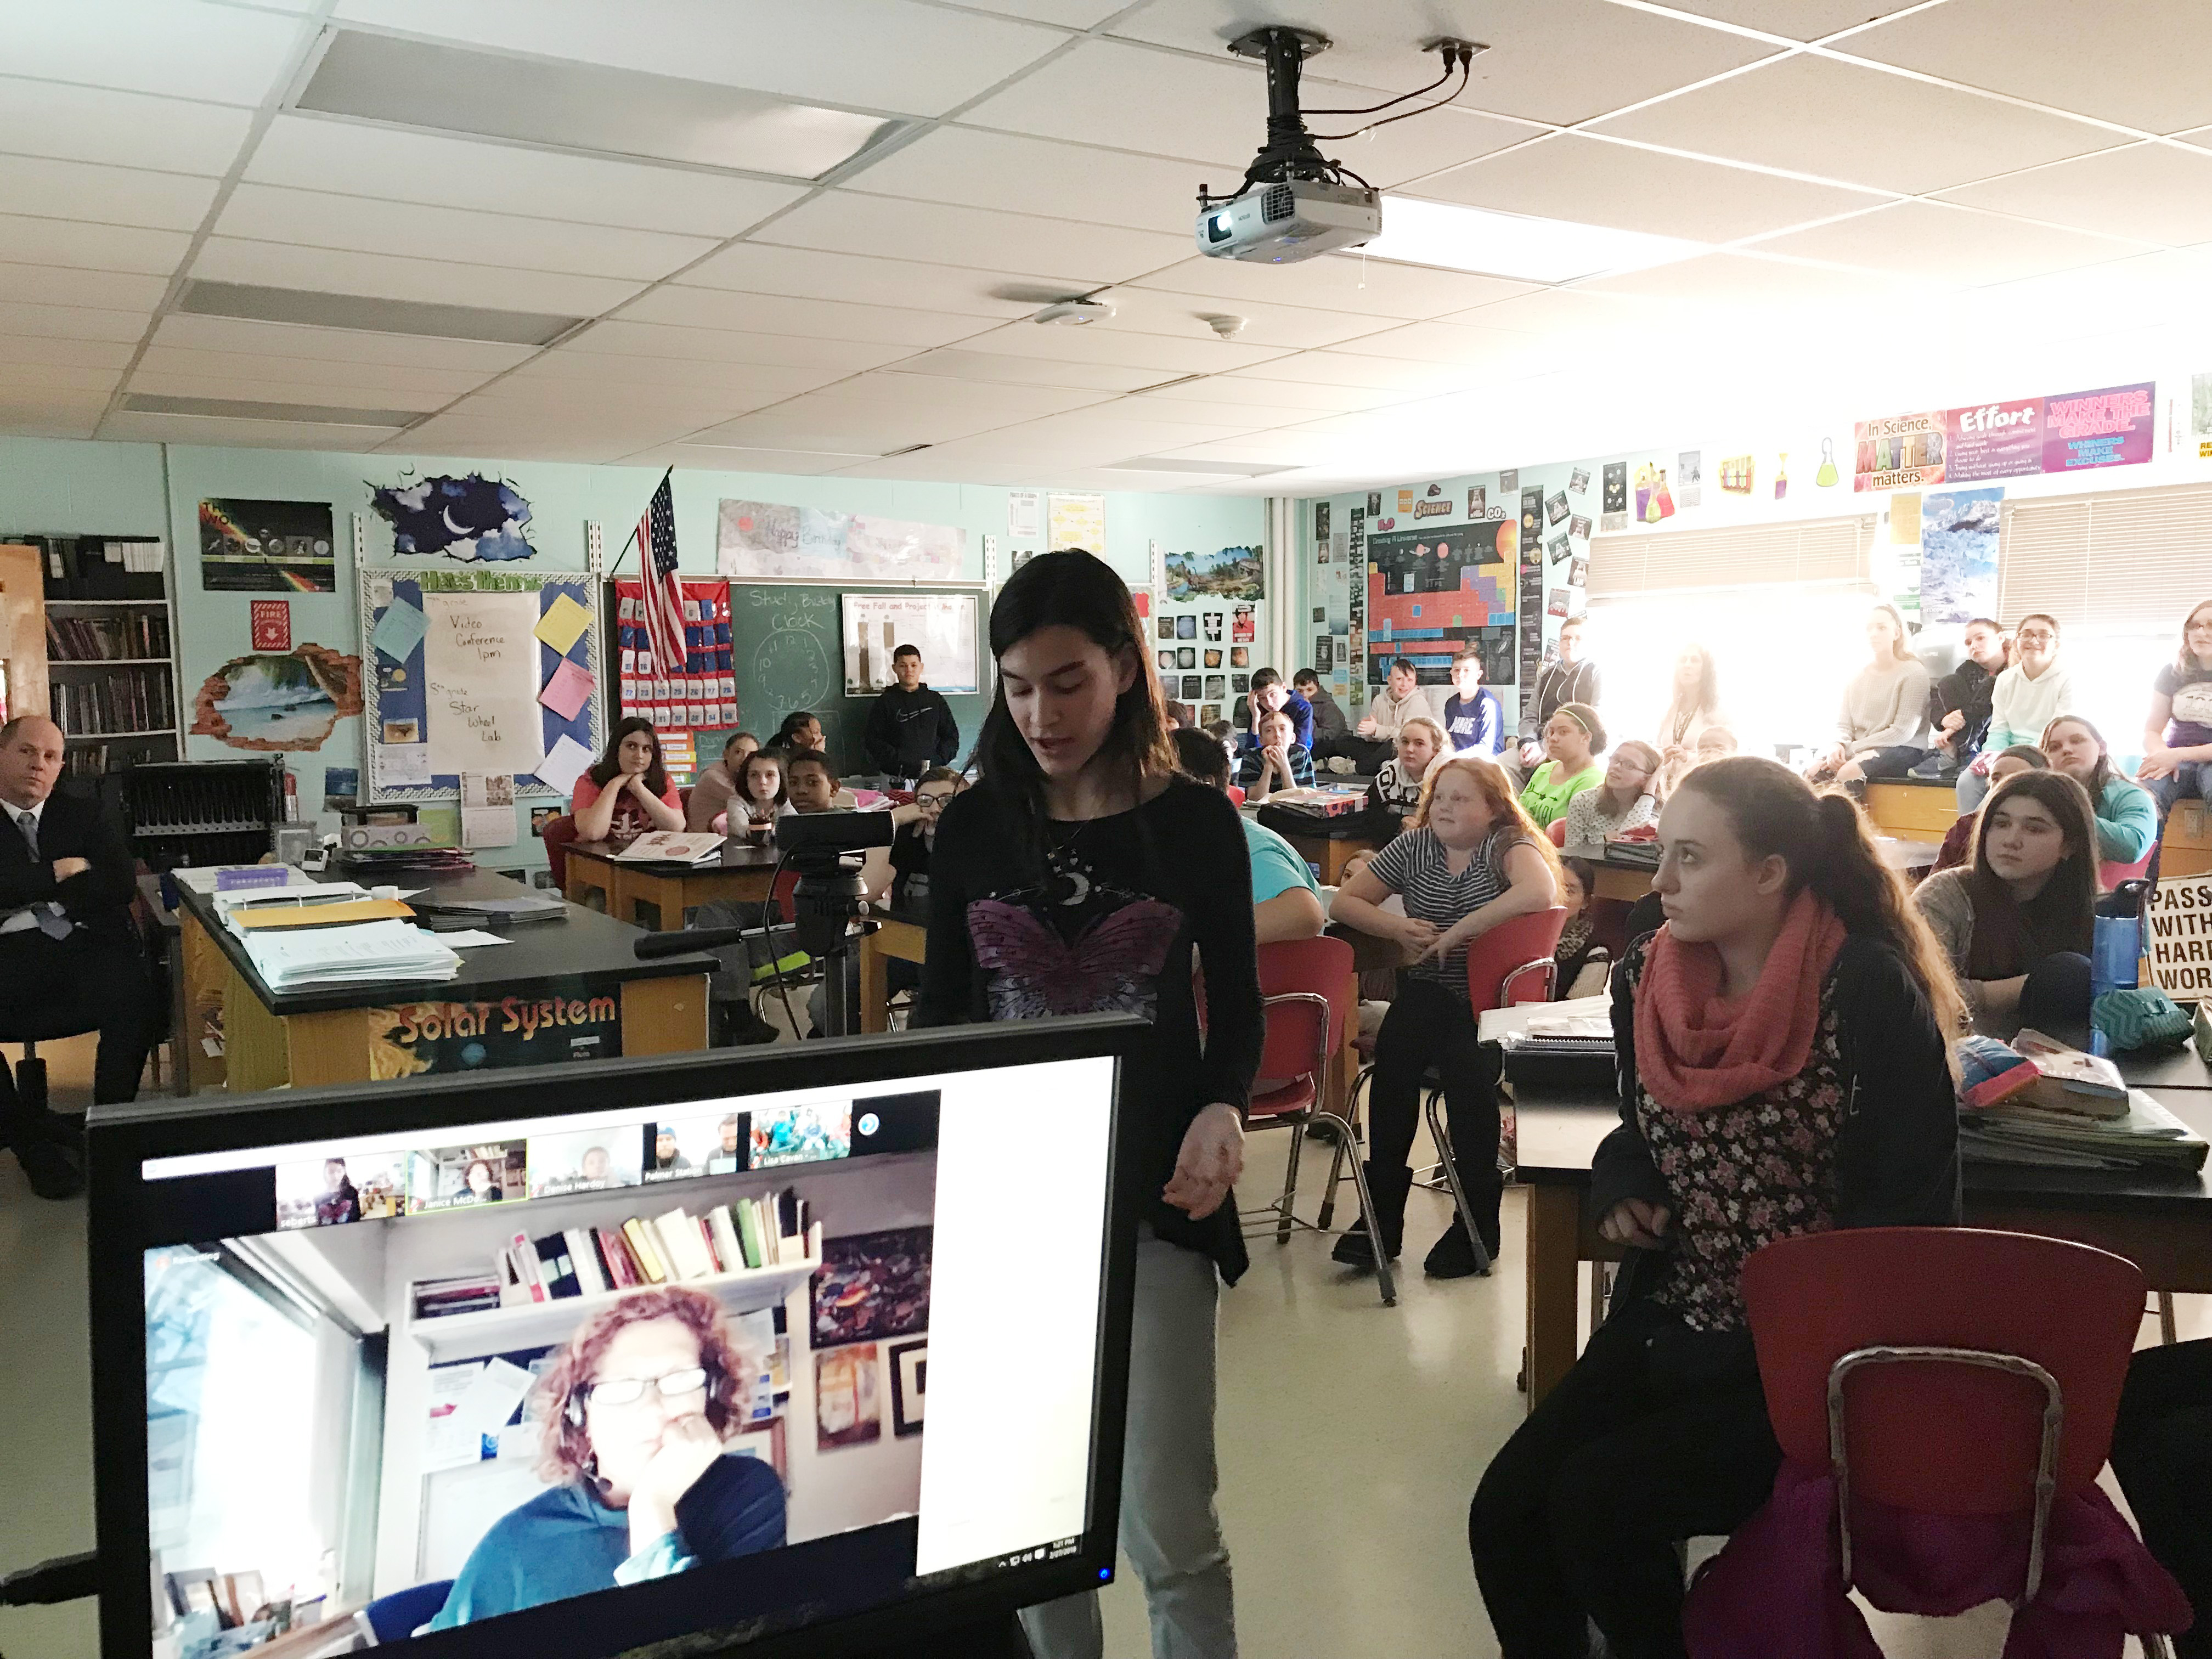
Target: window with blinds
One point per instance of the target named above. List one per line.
(2084, 558)
(1820, 550)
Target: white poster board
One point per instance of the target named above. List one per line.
(480, 665)
(2178, 937)
(942, 626)
(757, 541)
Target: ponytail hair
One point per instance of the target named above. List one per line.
(1823, 839)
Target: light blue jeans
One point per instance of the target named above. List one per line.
(1170, 1530)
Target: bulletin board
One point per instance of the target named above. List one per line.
(943, 627)
(1434, 592)
(490, 671)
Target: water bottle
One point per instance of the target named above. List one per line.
(2115, 952)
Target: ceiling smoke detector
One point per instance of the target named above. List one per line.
(1227, 327)
(1073, 314)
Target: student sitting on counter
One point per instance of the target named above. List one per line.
(1474, 721)
(1328, 718)
(2127, 816)
(1285, 898)
(626, 791)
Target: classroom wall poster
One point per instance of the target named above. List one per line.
(2069, 432)
(1959, 530)
(1076, 519)
(254, 546)
(2200, 414)
(771, 541)
(270, 703)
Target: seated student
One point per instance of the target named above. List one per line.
(1474, 721)
(710, 793)
(1400, 699)
(632, 1415)
(801, 729)
(1328, 719)
(1569, 677)
(626, 791)
(1469, 860)
(1958, 701)
(907, 861)
(1882, 729)
(2127, 816)
(811, 783)
(69, 950)
(1782, 1070)
(1278, 762)
(911, 728)
(2162, 1454)
(760, 799)
(1181, 715)
(1395, 794)
(2027, 697)
(2177, 753)
(1574, 739)
(1627, 797)
(2017, 922)
(1959, 840)
(1285, 898)
(1270, 692)
(1582, 962)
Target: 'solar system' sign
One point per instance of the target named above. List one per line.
(411, 1038)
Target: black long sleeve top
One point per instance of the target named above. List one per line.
(1114, 921)
(909, 732)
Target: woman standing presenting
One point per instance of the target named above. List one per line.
(1693, 705)
(1083, 875)
(1783, 1071)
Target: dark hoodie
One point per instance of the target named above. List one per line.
(910, 732)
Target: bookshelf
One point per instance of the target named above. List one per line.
(111, 662)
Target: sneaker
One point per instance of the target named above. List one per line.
(1341, 764)
(53, 1171)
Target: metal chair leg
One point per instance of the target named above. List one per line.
(1384, 1280)
(1345, 1144)
(1459, 1193)
(2167, 1334)
(1289, 1185)
(1599, 1274)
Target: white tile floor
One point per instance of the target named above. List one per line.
(1350, 1436)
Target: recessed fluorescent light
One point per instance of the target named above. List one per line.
(240, 409)
(582, 106)
(361, 312)
(1441, 233)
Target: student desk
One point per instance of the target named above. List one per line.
(2162, 1224)
(1326, 851)
(655, 896)
(903, 937)
(2186, 848)
(1912, 809)
(1625, 879)
(329, 1035)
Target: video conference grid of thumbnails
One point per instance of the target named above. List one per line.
(513, 1278)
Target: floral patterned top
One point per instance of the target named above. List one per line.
(1745, 1174)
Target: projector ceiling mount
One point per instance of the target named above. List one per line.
(1294, 202)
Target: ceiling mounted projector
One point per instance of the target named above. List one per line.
(1294, 203)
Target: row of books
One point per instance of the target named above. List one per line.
(97, 760)
(2036, 1101)
(98, 639)
(770, 1230)
(129, 699)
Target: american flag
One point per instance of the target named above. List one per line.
(664, 594)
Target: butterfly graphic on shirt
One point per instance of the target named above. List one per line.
(1109, 963)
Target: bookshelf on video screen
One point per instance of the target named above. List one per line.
(776, 1358)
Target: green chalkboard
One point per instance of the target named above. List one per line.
(785, 649)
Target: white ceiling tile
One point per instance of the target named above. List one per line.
(104, 195)
(219, 432)
(315, 219)
(2137, 61)
(1587, 179)
(1955, 246)
(1078, 344)
(49, 414)
(308, 373)
(1617, 55)
(865, 279)
(721, 458)
(842, 222)
(387, 164)
(223, 54)
(1338, 282)
(1837, 116)
(1745, 281)
(72, 322)
(102, 247)
(698, 405)
(54, 377)
(390, 277)
(1014, 402)
(1352, 368)
(977, 168)
(103, 290)
(568, 367)
(1495, 349)
(1294, 400)
(1256, 415)
(1182, 316)
(1795, 19)
(63, 353)
(123, 129)
(323, 395)
(959, 363)
(1067, 13)
(2153, 192)
(1559, 310)
(241, 336)
(892, 55)
(778, 313)
(875, 432)
(731, 346)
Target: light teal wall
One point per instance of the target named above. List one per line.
(148, 489)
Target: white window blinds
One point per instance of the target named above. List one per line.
(2127, 562)
(1823, 550)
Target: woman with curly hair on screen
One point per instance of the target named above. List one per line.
(633, 1413)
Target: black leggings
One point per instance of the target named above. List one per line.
(2162, 1454)
(1644, 1443)
(1430, 1026)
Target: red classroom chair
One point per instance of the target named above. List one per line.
(1306, 992)
(559, 834)
(2110, 876)
(1557, 832)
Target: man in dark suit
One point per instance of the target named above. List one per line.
(68, 951)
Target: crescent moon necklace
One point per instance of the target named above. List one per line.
(1068, 886)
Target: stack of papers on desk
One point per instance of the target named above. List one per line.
(318, 958)
(1581, 1025)
(2147, 1137)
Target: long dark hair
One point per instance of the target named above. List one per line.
(1705, 700)
(1078, 590)
(2010, 937)
(787, 733)
(609, 765)
(760, 757)
(1823, 839)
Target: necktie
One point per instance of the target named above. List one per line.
(51, 922)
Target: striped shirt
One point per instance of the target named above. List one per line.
(1417, 867)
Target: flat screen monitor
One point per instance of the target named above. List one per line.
(804, 1349)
